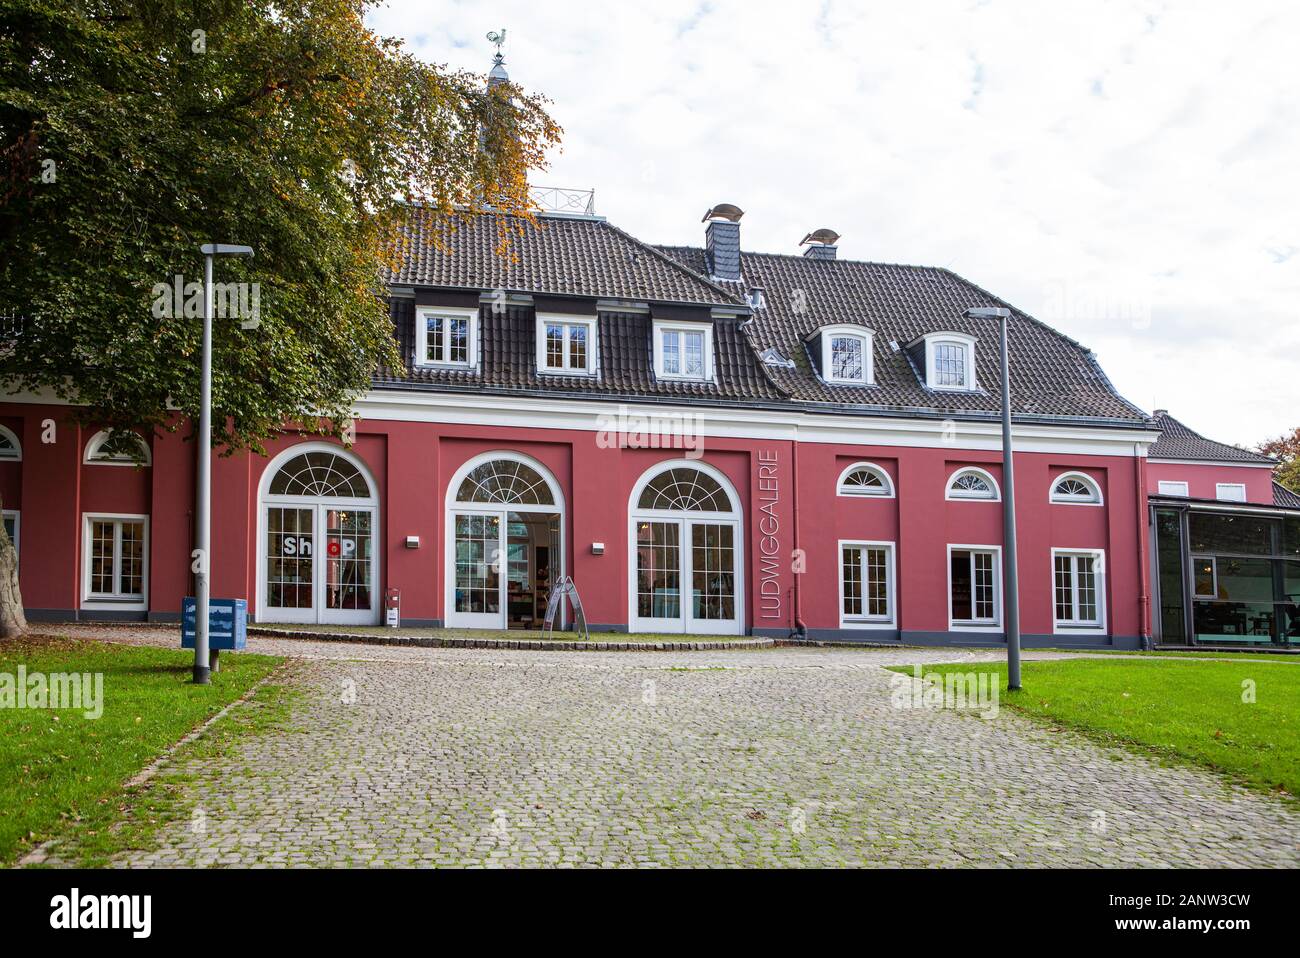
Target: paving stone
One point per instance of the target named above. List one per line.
(789, 757)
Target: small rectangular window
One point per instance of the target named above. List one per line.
(973, 586)
(1170, 487)
(1205, 577)
(846, 358)
(445, 337)
(1077, 589)
(866, 573)
(949, 364)
(566, 345)
(1230, 491)
(116, 560)
(683, 352)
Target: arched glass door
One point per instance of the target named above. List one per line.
(505, 543)
(319, 555)
(686, 553)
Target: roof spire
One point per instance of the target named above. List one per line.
(498, 74)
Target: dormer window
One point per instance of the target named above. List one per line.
(683, 351)
(843, 354)
(446, 337)
(566, 344)
(950, 361)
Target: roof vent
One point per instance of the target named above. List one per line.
(756, 298)
(821, 244)
(722, 241)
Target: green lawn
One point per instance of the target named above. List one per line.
(59, 769)
(1191, 711)
(500, 634)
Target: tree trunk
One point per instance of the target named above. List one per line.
(13, 622)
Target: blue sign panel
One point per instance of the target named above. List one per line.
(227, 623)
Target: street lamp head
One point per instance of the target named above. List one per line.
(987, 312)
(225, 249)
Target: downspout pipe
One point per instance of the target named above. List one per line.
(1143, 520)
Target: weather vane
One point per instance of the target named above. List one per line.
(498, 37)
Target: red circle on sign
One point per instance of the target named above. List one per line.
(333, 548)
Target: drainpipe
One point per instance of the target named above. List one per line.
(800, 630)
(1144, 599)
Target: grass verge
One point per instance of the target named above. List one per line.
(1239, 718)
(61, 771)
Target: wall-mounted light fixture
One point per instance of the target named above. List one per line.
(598, 548)
(412, 542)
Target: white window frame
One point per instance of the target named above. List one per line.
(567, 320)
(422, 314)
(1096, 498)
(1214, 575)
(865, 338)
(976, 625)
(865, 621)
(934, 340)
(104, 601)
(97, 442)
(856, 492)
(686, 623)
(319, 505)
(972, 470)
(1077, 626)
(665, 326)
(1180, 488)
(16, 455)
(17, 518)
(1220, 487)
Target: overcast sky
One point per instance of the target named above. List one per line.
(1125, 171)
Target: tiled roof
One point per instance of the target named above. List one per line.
(556, 255)
(1052, 376)
(1179, 442)
(1284, 497)
(625, 359)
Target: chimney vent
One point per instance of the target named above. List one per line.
(722, 241)
(821, 244)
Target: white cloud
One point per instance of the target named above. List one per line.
(1124, 170)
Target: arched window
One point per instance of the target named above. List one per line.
(319, 538)
(972, 484)
(11, 450)
(865, 479)
(120, 447)
(504, 543)
(506, 481)
(1076, 488)
(686, 490)
(321, 474)
(686, 551)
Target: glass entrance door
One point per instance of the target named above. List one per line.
(319, 564)
(477, 552)
(699, 554)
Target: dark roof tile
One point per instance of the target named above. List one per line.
(1177, 441)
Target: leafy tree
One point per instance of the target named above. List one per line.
(132, 131)
(1286, 450)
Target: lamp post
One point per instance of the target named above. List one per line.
(1010, 566)
(203, 509)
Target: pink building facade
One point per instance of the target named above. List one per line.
(705, 440)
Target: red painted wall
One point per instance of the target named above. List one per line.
(1201, 479)
(786, 492)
